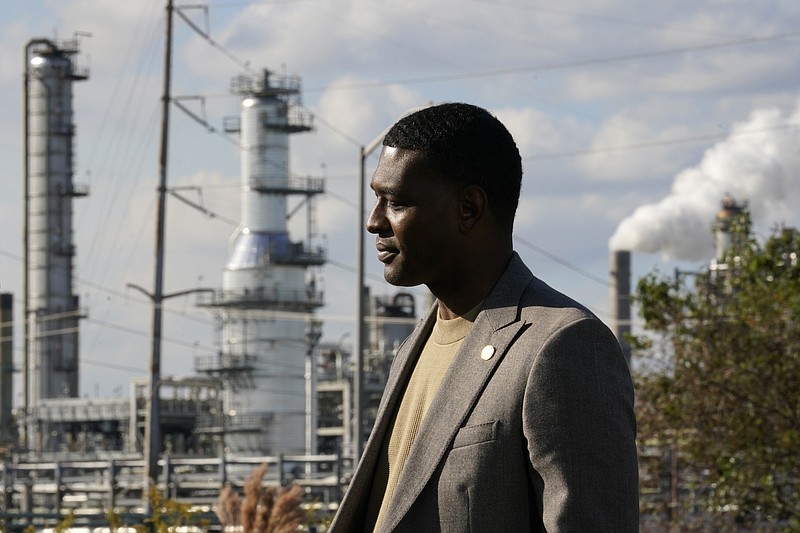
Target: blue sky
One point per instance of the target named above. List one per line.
(630, 116)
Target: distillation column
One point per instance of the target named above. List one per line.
(51, 307)
(268, 281)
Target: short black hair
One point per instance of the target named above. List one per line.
(466, 145)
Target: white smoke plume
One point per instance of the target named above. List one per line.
(758, 163)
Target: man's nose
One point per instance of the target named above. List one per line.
(376, 222)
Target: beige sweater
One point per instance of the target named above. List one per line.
(439, 351)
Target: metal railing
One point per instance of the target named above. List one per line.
(89, 489)
(260, 297)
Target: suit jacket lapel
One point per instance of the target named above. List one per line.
(497, 325)
(403, 365)
(352, 507)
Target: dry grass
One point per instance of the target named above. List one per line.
(263, 509)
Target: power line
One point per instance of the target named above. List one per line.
(219, 5)
(665, 142)
(602, 18)
(198, 206)
(561, 261)
(207, 35)
(559, 66)
(106, 364)
(203, 120)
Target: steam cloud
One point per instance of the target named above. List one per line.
(759, 163)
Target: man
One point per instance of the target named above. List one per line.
(510, 407)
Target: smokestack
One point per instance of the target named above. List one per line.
(6, 366)
(621, 298)
(723, 239)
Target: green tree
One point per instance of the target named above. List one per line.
(718, 386)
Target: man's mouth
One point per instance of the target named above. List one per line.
(385, 253)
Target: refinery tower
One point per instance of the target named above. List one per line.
(269, 285)
(51, 307)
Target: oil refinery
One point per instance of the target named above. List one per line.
(273, 393)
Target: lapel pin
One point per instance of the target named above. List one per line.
(487, 352)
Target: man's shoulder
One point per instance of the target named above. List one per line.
(535, 293)
(540, 299)
(519, 294)
(539, 293)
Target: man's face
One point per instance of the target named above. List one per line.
(415, 218)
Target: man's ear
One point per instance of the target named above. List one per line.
(474, 204)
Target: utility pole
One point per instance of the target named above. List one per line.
(358, 344)
(153, 438)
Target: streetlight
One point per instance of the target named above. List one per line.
(358, 385)
(152, 443)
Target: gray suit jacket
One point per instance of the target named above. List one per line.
(539, 437)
